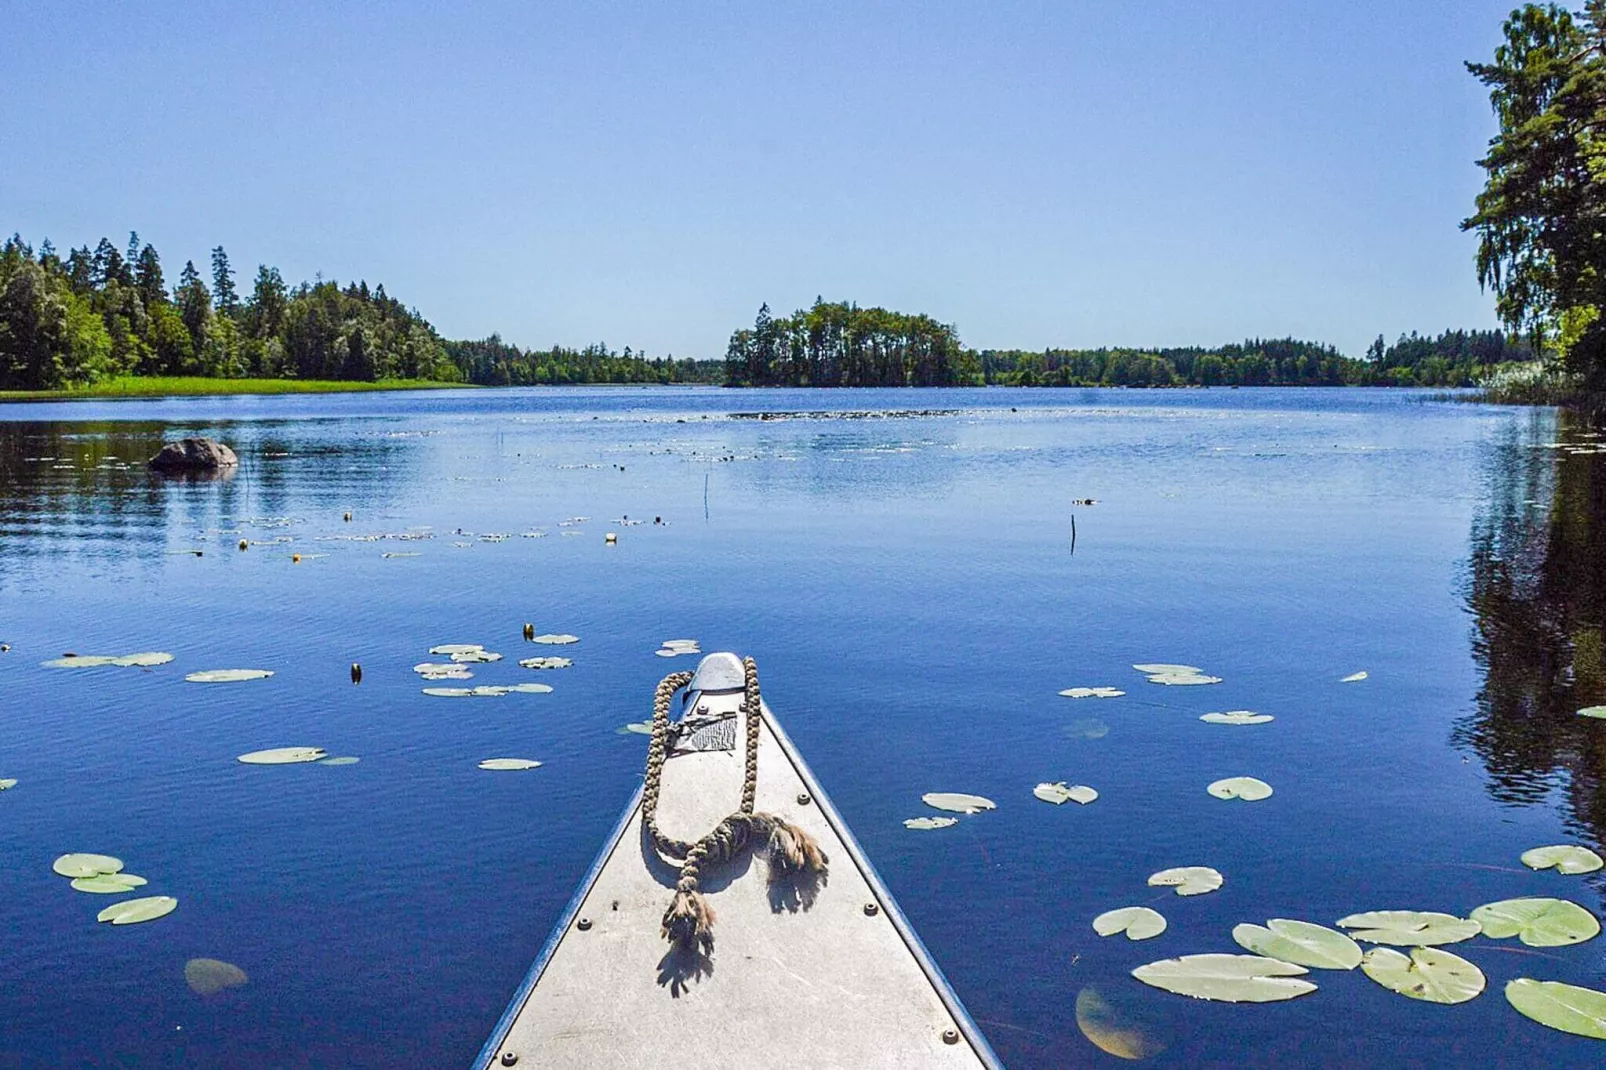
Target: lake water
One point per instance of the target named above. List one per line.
(909, 587)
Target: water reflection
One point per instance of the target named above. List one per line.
(1536, 586)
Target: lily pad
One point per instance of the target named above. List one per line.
(1353, 678)
(1301, 943)
(472, 656)
(208, 977)
(1058, 794)
(1237, 717)
(1569, 1008)
(530, 689)
(450, 692)
(1159, 668)
(145, 659)
(1567, 859)
(1092, 692)
(1431, 974)
(1538, 922)
(344, 759)
(1183, 679)
(283, 756)
(558, 639)
(1087, 728)
(1409, 928)
(441, 668)
(1139, 923)
(8, 783)
(134, 911)
(86, 865)
(1246, 788)
(930, 822)
(547, 663)
(958, 802)
(1593, 711)
(108, 883)
(509, 764)
(449, 649)
(227, 676)
(641, 728)
(1227, 978)
(1113, 1029)
(1188, 880)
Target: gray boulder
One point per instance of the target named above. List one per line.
(194, 455)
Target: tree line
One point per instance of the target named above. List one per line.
(493, 362)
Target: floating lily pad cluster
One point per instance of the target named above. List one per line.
(1059, 793)
(674, 648)
(1092, 692)
(100, 874)
(1175, 675)
(463, 655)
(953, 802)
(546, 663)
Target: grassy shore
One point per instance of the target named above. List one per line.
(160, 386)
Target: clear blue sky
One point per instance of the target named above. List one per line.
(1071, 173)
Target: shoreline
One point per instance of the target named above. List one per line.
(143, 389)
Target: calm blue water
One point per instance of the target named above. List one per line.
(909, 590)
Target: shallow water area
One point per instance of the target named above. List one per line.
(912, 574)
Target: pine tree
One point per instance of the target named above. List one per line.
(194, 304)
(223, 292)
(148, 278)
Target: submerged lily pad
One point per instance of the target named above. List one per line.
(1409, 928)
(1247, 788)
(1431, 974)
(1139, 923)
(344, 759)
(1087, 728)
(958, 802)
(547, 663)
(1058, 794)
(559, 639)
(509, 764)
(1593, 711)
(1538, 922)
(227, 676)
(109, 883)
(134, 911)
(86, 865)
(1160, 668)
(1188, 880)
(1566, 858)
(1569, 1008)
(1227, 978)
(930, 822)
(208, 977)
(1353, 678)
(283, 756)
(1114, 1030)
(1301, 943)
(1238, 717)
(1092, 692)
(641, 728)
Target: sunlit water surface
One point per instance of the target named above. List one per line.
(909, 587)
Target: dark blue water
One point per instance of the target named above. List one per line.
(909, 589)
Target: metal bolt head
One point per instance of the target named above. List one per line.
(871, 910)
(509, 1058)
(803, 798)
(950, 1036)
(584, 924)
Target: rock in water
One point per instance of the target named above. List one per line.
(194, 455)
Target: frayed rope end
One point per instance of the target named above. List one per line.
(689, 922)
(793, 851)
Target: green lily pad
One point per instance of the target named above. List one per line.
(1246, 788)
(1431, 974)
(1227, 978)
(958, 802)
(1139, 923)
(509, 764)
(1301, 943)
(1115, 1029)
(134, 911)
(208, 977)
(8, 783)
(559, 639)
(108, 883)
(1409, 928)
(1566, 858)
(930, 822)
(227, 676)
(1092, 692)
(1353, 678)
(1593, 711)
(1183, 679)
(342, 760)
(530, 689)
(641, 728)
(1569, 1008)
(441, 668)
(86, 865)
(449, 649)
(283, 756)
(144, 659)
(1058, 794)
(1188, 880)
(470, 657)
(1237, 717)
(547, 663)
(1162, 668)
(1538, 922)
